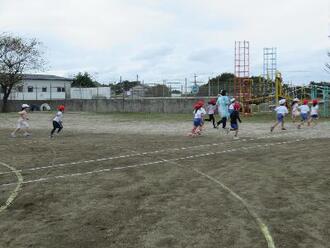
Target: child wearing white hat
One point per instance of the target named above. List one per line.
(22, 123)
(281, 111)
(295, 109)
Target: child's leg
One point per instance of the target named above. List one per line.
(26, 131)
(13, 134)
(236, 132)
(224, 122)
(16, 130)
(275, 125)
(60, 127)
(213, 120)
(54, 128)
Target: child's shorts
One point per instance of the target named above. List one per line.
(234, 126)
(197, 122)
(314, 117)
(22, 124)
(280, 117)
(304, 116)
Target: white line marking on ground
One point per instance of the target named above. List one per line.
(137, 154)
(263, 227)
(138, 165)
(13, 194)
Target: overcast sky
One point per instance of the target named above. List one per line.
(172, 39)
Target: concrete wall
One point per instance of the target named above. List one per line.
(151, 105)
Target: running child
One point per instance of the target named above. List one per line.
(211, 107)
(198, 119)
(234, 117)
(57, 121)
(231, 106)
(304, 111)
(314, 113)
(294, 109)
(22, 123)
(281, 111)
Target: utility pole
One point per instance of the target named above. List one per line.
(185, 86)
(123, 92)
(209, 87)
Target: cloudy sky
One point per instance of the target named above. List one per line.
(172, 39)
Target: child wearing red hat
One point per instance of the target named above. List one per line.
(304, 111)
(234, 117)
(314, 112)
(211, 107)
(198, 119)
(57, 121)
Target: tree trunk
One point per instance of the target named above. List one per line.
(6, 93)
(4, 108)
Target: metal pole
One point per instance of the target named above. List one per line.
(209, 87)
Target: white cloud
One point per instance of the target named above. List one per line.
(168, 39)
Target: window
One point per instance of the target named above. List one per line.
(20, 88)
(44, 89)
(30, 89)
(60, 89)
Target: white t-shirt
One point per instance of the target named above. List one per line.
(231, 106)
(58, 117)
(211, 109)
(304, 109)
(315, 110)
(282, 110)
(295, 107)
(198, 114)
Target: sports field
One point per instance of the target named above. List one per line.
(137, 180)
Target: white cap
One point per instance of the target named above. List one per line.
(25, 106)
(232, 100)
(296, 100)
(282, 101)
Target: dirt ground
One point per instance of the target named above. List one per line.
(124, 181)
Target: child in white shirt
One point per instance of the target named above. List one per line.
(314, 112)
(294, 109)
(57, 121)
(22, 123)
(211, 108)
(231, 106)
(281, 111)
(198, 119)
(304, 110)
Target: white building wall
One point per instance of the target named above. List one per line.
(74, 93)
(51, 88)
(91, 93)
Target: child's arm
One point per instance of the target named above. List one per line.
(239, 119)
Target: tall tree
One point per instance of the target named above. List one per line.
(17, 55)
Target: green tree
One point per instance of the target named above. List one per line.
(84, 80)
(159, 90)
(17, 56)
(124, 85)
(224, 81)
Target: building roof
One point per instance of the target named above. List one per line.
(45, 77)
